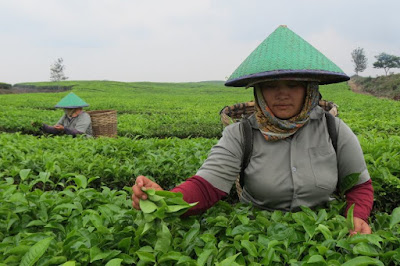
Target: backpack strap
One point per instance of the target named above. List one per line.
(247, 147)
(330, 121)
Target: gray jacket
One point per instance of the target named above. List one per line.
(285, 174)
(81, 123)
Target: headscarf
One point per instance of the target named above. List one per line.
(274, 128)
(69, 111)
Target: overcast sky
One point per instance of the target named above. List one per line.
(181, 40)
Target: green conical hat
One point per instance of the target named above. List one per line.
(285, 54)
(71, 101)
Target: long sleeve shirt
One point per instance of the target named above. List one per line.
(302, 170)
(197, 189)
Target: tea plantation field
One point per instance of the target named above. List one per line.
(66, 201)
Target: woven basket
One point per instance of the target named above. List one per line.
(233, 113)
(104, 123)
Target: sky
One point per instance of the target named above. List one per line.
(181, 40)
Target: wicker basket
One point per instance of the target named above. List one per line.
(104, 123)
(233, 113)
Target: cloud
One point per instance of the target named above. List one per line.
(179, 40)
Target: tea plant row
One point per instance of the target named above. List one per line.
(83, 226)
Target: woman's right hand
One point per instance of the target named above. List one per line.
(142, 181)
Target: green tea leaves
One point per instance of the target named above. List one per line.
(350, 218)
(147, 206)
(395, 217)
(165, 202)
(363, 261)
(35, 252)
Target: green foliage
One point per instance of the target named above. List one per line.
(162, 204)
(5, 86)
(108, 161)
(95, 227)
(66, 201)
(382, 86)
(175, 109)
(387, 61)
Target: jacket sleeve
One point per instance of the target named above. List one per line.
(362, 196)
(197, 189)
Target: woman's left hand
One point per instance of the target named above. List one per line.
(360, 226)
(59, 127)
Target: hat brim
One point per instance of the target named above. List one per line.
(71, 107)
(323, 77)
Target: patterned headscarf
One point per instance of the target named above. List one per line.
(274, 128)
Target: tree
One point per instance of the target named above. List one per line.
(57, 70)
(359, 59)
(387, 61)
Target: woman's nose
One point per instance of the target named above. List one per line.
(282, 90)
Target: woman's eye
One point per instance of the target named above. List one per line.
(269, 86)
(293, 85)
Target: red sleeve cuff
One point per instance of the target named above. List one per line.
(362, 196)
(197, 189)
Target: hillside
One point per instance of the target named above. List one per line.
(382, 86)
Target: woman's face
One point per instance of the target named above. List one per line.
(72, 112)
(284, 98)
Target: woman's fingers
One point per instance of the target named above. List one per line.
(360, 226)
(138, 194)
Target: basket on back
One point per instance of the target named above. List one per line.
(234, 113)
(104, 123)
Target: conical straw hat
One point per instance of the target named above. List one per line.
(285, 54)
(71, 101)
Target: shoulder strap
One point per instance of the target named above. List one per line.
(330, 121)
(247, 146)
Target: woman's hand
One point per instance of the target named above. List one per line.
(142, 181)
(360, 226)
(59, 127)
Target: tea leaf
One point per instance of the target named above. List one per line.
(147, 206)
(350, 219)
(35, 252)
(363, 261)
(24, 173)
(114, 262)
(395, 217)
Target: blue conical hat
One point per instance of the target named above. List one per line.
(285, 54)
(71, 101)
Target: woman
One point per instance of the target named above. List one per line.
(75, 121)
(293, 162)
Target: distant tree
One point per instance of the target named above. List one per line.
(57, 70)
(359, 60)
(387, 61)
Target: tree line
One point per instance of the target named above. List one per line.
(383, 60)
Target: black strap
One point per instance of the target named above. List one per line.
(330, 121)
(247, 147)
(248, 141)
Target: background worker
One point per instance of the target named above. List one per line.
(75, 120)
